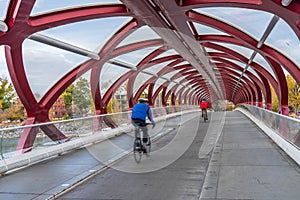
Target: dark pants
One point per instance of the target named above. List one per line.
(140, 124)
(204, 110)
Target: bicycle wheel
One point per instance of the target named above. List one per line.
(137, 150)
(148, 148)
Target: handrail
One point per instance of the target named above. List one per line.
(78, 119)
(286, 127)
(87, 137)
(72, 128)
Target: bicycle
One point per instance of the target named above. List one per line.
(139, 147)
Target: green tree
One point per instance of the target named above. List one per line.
(78, 98)
(7, 93)
(81, 95)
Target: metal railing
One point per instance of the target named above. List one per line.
(74, 128)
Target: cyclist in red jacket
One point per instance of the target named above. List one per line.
(204, 106)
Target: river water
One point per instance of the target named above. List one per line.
(8, 145)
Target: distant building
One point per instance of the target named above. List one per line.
(57, 111)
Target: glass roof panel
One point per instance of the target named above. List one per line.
(109, 74)
(139, 81)
(170, 86)
(179, 79)
(141, 34)
(42, 6)
(210, 50)
(3, 8)
(232, 69)
(158, 83)
(253, 22)
(184, 90)
(44, 65)
(241, 64)
(284, 40)
(250, 69)
(156, 68)
(170, 74)
(261, 61)
(3, 66)
(182, 63)
(206, 30)
(170, 52)
(246, 52)
(135, 57)
(178, 88)
(90, 35)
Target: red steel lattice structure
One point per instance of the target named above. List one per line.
(174, 21)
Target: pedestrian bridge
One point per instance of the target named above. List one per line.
(235, 155)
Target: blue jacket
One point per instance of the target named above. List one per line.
(141, 111)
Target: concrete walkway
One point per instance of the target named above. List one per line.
(244, 164)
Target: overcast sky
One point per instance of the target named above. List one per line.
(44, 65)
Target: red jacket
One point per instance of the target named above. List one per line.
(204, 105)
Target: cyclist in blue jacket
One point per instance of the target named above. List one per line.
(140, 112)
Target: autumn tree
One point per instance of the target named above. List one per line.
(294, 93)
(113, 106)
(68, 100)
(7, 93)
(14, 112)
(275, 103)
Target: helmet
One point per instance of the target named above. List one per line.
(203, 100)
(142, 100)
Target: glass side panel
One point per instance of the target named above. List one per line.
(90, 35)
(3, 8)
(141, 34)
(253, 22)
(109, 74)
(284, 40)
(42, 6)
(137, 56)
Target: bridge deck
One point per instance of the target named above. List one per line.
(244, 164)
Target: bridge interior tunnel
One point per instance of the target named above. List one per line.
(177, 51)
